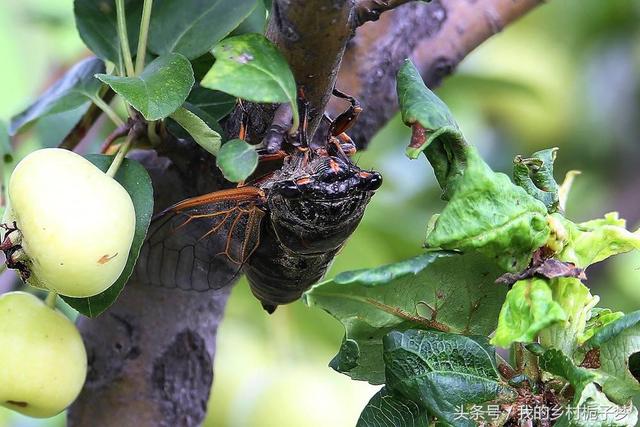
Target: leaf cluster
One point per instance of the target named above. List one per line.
(196, 60)
(427, 328)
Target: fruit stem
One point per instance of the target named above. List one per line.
(152, 133)
(122, 152)
(142, 39)
(124, 39)
(99, 102)
(51, 299)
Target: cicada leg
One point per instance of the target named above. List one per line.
(345, 120)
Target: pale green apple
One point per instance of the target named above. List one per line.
(77, 223)
(43, 362)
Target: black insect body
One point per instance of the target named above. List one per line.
(282, 230)
(313, 207)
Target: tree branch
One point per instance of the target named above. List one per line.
(312, 36)
(370, 10)
(151, 353)
(437, 36)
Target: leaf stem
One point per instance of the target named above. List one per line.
(122, 152)
(144, 33)
(526, 362)
(296, 120)
(124, 39)
(51, 299)
(152, 133)
(99, 102)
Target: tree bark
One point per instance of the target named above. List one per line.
(435, 35)
(151, 354)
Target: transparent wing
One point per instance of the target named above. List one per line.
(201, 243)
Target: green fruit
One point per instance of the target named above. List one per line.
(43, 362)
(76, 223)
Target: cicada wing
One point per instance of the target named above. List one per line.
(202, 243)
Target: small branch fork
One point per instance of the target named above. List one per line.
(370, 10)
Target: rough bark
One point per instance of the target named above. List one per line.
(436, 35)
(151, 353)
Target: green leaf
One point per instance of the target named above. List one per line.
(387, 409)
(535, 175)
(256, 22)
(96, 21)
(576, 302)
(619, 344)
(202, 134)
(419, 105)
(434, 129)
(595, 410)
(529, 308)
(618, 359)
(488, 213)
(596, 240)
(485, 210)
(557, 363)
(237, 160)
(159, 90)
(615, 328)
(216, 104)
(75, 89)
(598, 320)
(201, 66)
(192, 27)
(371, 303)
(251, 67)
(50, 130)
(443, 372)
(135, 179)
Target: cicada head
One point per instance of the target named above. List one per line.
(316, 205)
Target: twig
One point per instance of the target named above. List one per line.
(122, 151)
(119, 132)
(142, 39)
(108, 111)
(124, 38)
(51, 299)
(85, 123)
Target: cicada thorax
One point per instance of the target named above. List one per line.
(314, 204)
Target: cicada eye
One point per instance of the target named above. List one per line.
(371, 181)
(288, 189)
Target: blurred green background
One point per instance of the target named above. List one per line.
(567, 75)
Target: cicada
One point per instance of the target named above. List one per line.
(282, 230)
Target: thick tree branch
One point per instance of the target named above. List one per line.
(312, 36)
(437, 36)
(151, 353)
